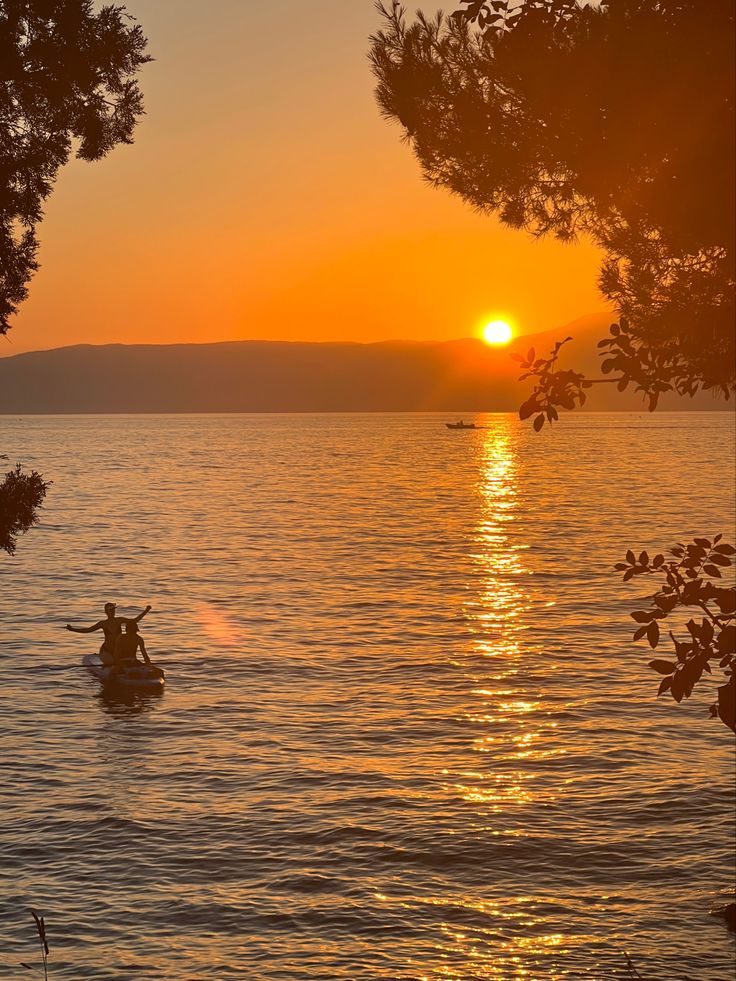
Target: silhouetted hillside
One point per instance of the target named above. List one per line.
(273, 376)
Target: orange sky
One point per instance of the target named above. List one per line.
(264, 197)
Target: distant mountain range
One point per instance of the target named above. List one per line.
(280, 376)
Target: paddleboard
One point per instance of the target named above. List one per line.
(140, 677)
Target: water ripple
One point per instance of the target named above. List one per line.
(405, 735)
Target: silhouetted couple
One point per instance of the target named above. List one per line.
(118, 649)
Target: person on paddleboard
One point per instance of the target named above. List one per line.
(128, 644)
(112, 627)
(126, 647)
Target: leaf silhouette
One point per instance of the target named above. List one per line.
(662, 667)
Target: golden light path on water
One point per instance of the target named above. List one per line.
(496, 618)
(514, 724)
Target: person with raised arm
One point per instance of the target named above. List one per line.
(112, 627)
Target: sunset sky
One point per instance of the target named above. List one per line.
(264, 197)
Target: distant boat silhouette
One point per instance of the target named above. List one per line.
(461, 425)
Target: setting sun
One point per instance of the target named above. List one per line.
(497, 332)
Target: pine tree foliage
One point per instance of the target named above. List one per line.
(67, 84)
(614, 122)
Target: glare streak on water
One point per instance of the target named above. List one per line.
(406, 734)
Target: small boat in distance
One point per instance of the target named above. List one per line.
(461, 425)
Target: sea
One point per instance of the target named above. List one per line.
(406, 733)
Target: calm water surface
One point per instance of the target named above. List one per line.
(406, 734)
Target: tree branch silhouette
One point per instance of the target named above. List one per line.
(615, 122)
(690, 579)
(21, 495)
(67, 82)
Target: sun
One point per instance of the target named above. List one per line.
(497, 332)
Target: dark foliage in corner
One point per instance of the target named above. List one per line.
(691, 580)
(67, 78)
(613, 121)
(21, 495)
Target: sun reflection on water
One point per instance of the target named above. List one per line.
(511, 719)
(496, 610)
(492, 947)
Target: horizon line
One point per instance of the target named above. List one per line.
(315, 343)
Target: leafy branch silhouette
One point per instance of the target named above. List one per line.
(554, 388)
(690, 580)
(21, 495)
